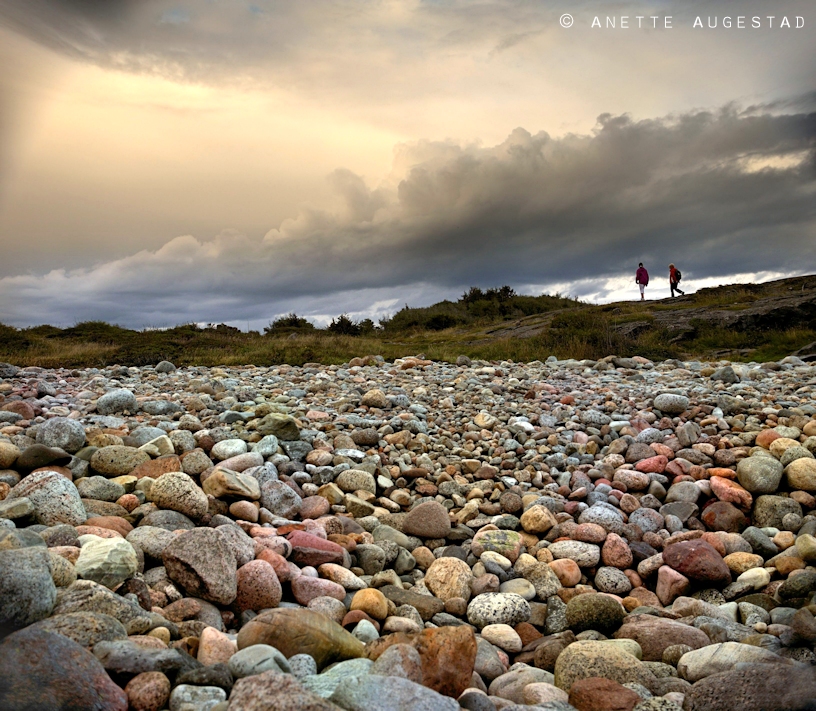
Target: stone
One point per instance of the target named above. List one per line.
(258, 586)
(55, 498)
(498, 608)
(214, 647)
(599, 694)
(117, 460)
(759, 475)
(715, 658)
(258, 659)
(401, 660)
(537, 519)
(203, 564)
(671, 403)
(511, 685)
(503, 636)
(544, 578)
(284, 427)
(449, 577)
(697, 560)
(363, 693)
(427, 520)
(148, 691)
(280, 499)
(447, 654)
(300, 631)
(753, 688)
(656, 634)
(200, 698)
(114, 401)
(88, 596)
(62, 433)
(227, 483)
(583, 660)
(124, 656)
(177, 491)
(372, 602)
(27, 590)
(49, 672)
(84, 628)
(585, 555)
(594, 611)
(107, 561)
(801, 474)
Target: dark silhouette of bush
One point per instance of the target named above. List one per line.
(344, 326)
(290, 322)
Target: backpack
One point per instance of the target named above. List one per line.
(677, 275)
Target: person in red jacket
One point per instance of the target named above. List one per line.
(641, 279)
(674, 280)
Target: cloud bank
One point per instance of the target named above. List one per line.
(718, 193)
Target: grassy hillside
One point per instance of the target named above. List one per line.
(739, 322)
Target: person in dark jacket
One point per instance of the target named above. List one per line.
(674, 280)
(641, 279)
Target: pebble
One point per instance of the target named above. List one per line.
(493, 542)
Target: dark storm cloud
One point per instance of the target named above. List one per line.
(720, 192)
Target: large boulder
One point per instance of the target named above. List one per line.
(297, 631)
(204, 565)
(43, 671)
(55, 498)
(27, 590)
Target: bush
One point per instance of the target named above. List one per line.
(344, 326)
(290, 322)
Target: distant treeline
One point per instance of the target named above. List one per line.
(474, 306)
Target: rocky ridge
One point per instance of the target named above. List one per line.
(409, 535)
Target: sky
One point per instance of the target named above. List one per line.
(176, 161)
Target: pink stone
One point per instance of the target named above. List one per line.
(306, 588)
(656, 465)
(283, 568)
(242, 462)
(278, 544)
(662, 449)
(616, 553)
(258, 586)
(314, 507)
(308, 549)
(670, 585)
(730, 491)
(678, 467)
(215, 647)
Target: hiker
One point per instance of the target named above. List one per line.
(674, 280)
(641, 279)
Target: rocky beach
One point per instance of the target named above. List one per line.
(413, 535)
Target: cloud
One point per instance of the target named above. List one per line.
(531, 210)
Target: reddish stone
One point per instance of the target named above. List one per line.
(765, 437)
(305, 588)
(448, 655)
(355, 616)
(311, 550)
(721, 472)
(148, 691)
(24, 409)
(185, 609)
(656, 465)
(98, 531)
(314, 507)
(714, 540)
(589, 533)
(258, 586)
(154, 468)
(670, 585)
(723, 516)
(113, 523)
(128, 502)
(64, 471)
(697, 560)
(654, 634)
(678, 467)
(599, 694)
(730, 491)
(44, 670)
(616, 552)
(341, 539)
(283, 568)
(527, 632)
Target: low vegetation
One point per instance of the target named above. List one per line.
(491, 324)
